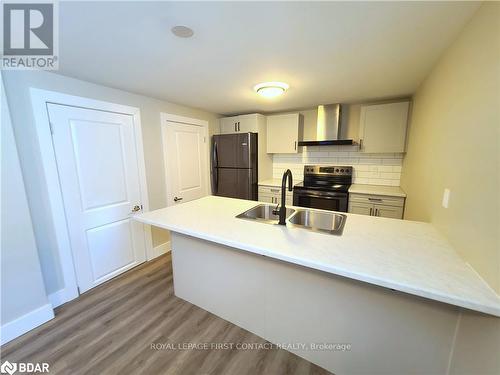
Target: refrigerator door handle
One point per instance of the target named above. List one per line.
(215, 163)
(216, 180)
(215, 170)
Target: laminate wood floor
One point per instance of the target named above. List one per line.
(110, 329)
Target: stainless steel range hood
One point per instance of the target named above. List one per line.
(328, 127)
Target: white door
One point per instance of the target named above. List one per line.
(186, 162)
(98, 172)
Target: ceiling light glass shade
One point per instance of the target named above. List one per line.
(182, 31)
(271, 89)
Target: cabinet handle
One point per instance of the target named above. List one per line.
(295, 145)
(371, 211)
(275, 190)
(375, 199)
(235, 128)
(360, 144)
(238, 126)
(376, 212)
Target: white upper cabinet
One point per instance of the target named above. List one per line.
(248, 123)
(240, 124)
(382, 127)
(228, 125)
(283, 133)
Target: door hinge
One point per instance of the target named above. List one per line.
(51, 127)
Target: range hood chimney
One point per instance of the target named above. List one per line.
(328, 127)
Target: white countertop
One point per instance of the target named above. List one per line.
(393, 191)
(276, 182)
(407, 256)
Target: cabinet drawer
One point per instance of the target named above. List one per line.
(377, 199)
(269, 189)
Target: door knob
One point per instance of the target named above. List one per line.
(136, 209)
(176, 199)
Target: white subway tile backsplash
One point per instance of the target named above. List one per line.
(375, 169)
(361, 181)
(392, 161)
(390, 175)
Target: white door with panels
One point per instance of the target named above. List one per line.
(99, 176)
(185, 151)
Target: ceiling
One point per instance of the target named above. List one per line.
(326, 51)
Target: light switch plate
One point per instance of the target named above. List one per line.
(446, 198)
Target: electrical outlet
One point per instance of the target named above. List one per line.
(446, 198)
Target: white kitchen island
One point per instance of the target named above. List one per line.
(390, 291)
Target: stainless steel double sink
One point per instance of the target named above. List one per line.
(315, 220)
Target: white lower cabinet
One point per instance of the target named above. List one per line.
(272, 194)
(376, 205)
(360, 208)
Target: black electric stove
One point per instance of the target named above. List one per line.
(324, 187)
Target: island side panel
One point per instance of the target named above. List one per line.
(389, 332)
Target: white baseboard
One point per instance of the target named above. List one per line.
(62, 296)
(25, 323)
(161, 249)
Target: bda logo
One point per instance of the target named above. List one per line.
(8, 367)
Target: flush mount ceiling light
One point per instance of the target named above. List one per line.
(182, 31)
(271, 89)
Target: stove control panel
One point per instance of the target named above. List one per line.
(328, 170)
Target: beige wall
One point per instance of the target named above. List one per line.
(454, 143)
(17, 85)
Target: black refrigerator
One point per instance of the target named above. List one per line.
(234, 165)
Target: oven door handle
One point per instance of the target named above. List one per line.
(326, 196)
(323, 197)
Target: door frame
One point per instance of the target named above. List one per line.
(165, 118)
(39, 100)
